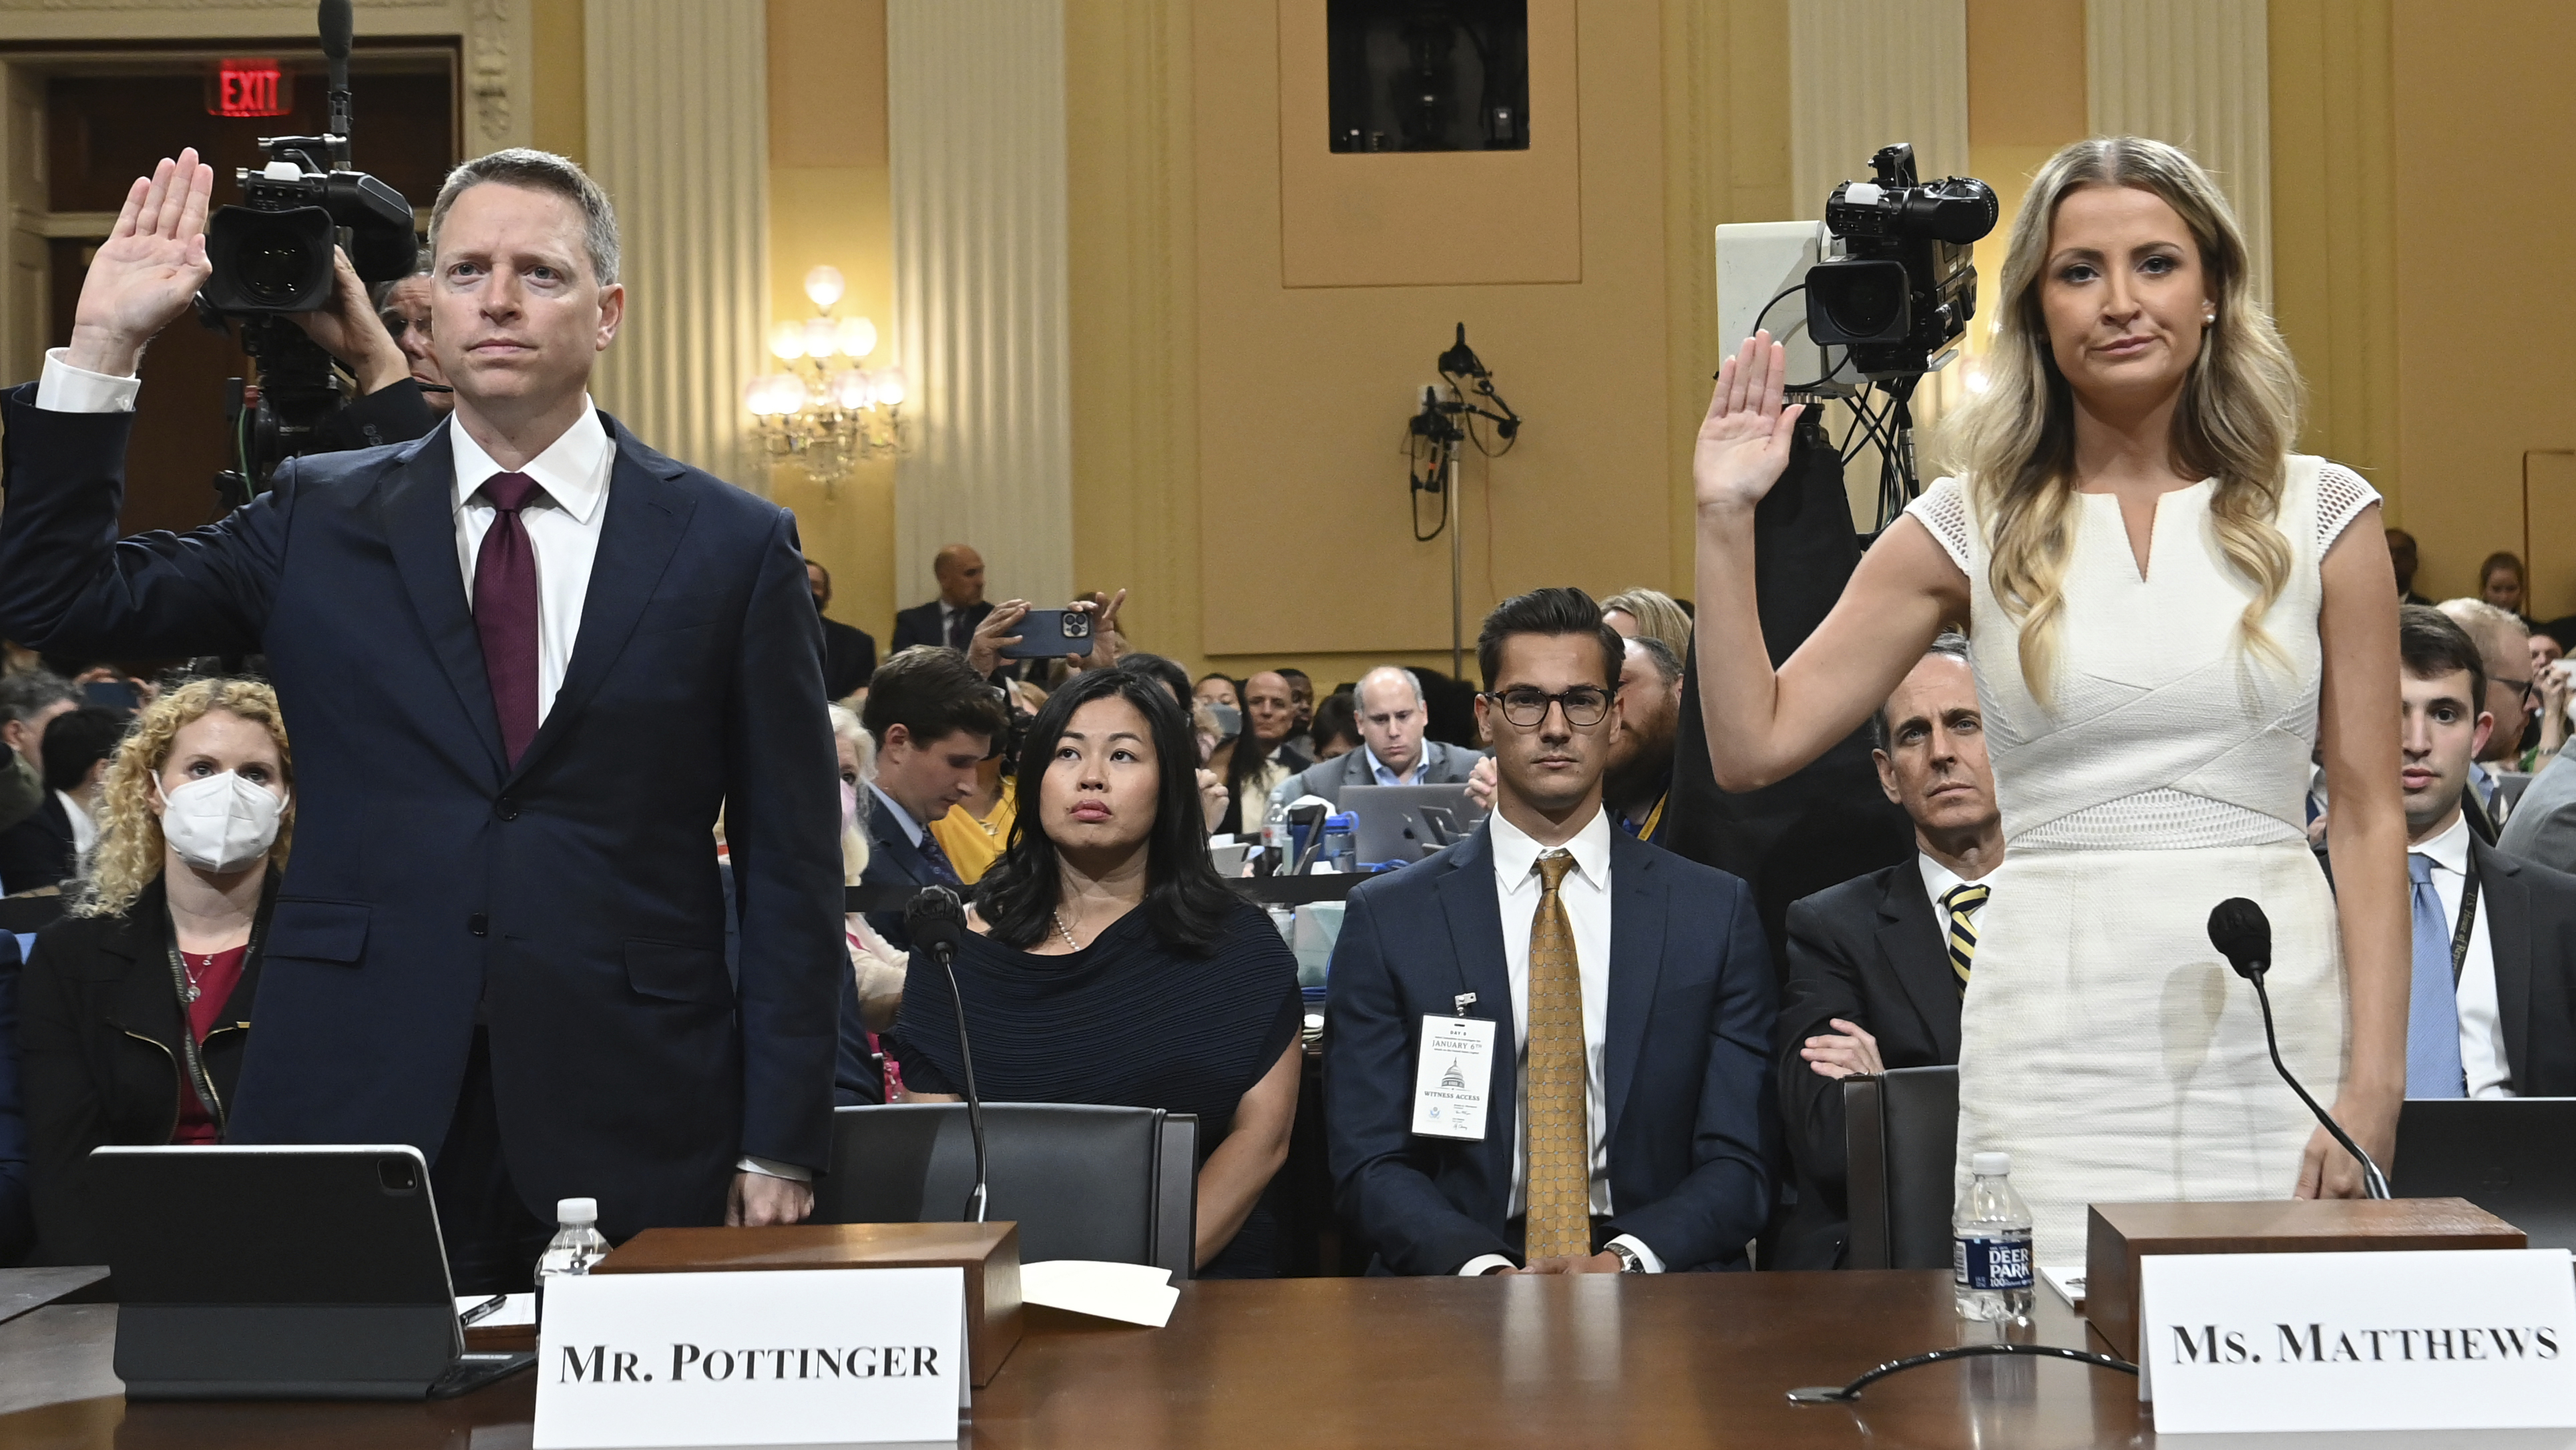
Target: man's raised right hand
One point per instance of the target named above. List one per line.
(149, 269)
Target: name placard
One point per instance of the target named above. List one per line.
(2450, 1340)
(775, 1357)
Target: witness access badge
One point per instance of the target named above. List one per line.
(1451, 1076)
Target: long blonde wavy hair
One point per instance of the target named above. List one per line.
(2238, 414)
(130, 850)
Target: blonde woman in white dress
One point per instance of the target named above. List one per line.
(2168, 611)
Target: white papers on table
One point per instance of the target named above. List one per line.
(522, 1309)
(1133, 1293)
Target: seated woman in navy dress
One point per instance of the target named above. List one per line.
(1107, 963)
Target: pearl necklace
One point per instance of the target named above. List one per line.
(1065, 931)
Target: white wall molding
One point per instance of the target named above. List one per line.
(976, 148)
(1863, 73)
(678, 113)
(2196, 73)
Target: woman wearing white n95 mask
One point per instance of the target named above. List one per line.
(136, 1008)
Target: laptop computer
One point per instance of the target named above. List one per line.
(2508, 1156)
(1404, 823)
(281, 1273)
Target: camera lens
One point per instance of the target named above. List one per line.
(1871, 304)
(274, 265)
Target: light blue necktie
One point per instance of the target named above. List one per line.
(2432, 1010)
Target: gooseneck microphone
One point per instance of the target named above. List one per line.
(2243, 935)
(936, 921)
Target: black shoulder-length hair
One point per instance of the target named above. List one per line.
(1186, 902)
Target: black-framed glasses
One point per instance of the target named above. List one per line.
(1585, 705)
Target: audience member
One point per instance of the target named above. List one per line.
(1164, 672)
(1627, 1117)
(2552, 681)
(876, 966)
(1260, 757)
(1337, 726)
(2500, 584)
(1650, 613)
(1219, 690)
(997, 631)
(510, 936)
(29, 699)
(391, 406)
(977, 827)
(402, 305)
(1176, 682)
(951, 618)
(2494, 1015)
(2401, 557)
(1108, 964)
(1639, 781)
(934, 721)
(2504, 649)
(46, 847)
(1392, 715)
(137, 1007)
(1301, 693)
(1878, 965)
(17, 1208)
(849, 652)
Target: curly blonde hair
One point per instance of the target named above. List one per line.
(2237, 418)
(130, 850)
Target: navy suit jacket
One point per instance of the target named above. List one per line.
(920, 624)
(17, 1207)
(893, 860)
(1687, 1044)
(572, 901)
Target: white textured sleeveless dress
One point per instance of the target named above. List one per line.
(2103, 1042)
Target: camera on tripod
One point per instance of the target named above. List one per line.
(272, 257)
(1904, 286)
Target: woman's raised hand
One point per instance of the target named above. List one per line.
(1744, 442)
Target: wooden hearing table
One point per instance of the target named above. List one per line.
(1598, 1360)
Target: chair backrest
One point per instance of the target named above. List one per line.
(1082, 1182)
(1901, 1142)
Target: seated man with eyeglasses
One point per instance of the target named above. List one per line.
(1546, 1046)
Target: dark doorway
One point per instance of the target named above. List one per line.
(1429, 75)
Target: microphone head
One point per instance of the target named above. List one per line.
(936, 918)
(2243, 935)
(338, 22)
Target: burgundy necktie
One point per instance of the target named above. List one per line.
(505, 610)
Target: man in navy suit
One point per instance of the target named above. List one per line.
(951, 618)
(1627, 1102)
(524, 660)
(934, 720)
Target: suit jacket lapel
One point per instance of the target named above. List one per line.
(1916, 944)
(417, 512)
(1637, 913)
(2506, 899)
(1475, 916)
(647, 514)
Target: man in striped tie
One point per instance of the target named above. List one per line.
(1879, 965)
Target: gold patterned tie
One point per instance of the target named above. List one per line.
(1961, 902)
(1557, 1120)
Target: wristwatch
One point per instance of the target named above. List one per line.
(1629, 1263)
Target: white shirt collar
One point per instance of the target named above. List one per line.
(1515, 853)
(1938, 879)
(570, 470)
(2449, 850)
(911, 828)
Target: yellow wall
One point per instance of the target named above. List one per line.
(2485, 323)
(557, 113)
(828, 204)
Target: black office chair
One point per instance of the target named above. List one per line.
(1082, 1182)
(1900, 1140)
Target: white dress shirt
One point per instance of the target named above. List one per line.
(1585, 895)
(563, 531)
(563, 527)
(2482, 1057)
(84, 830)
(1938, 881)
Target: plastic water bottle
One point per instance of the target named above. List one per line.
(576, 1246)
(1990, 1268)
(1341, 841)
(1274, 839)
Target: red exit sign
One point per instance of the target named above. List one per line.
(252, 88)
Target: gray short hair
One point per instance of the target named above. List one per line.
(540, 171)
(1659, 654)
(27, 695)
(1948, 644)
